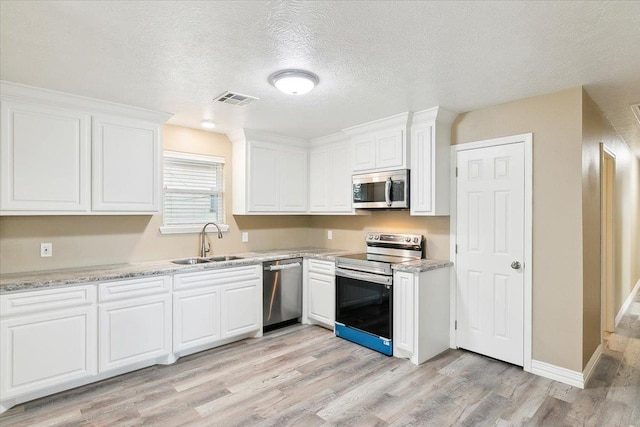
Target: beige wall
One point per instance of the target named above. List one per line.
(555, 121)
(349, 231)
(100, 240)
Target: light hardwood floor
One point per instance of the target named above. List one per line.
(305, 376)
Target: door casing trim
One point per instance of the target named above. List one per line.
(527, 139)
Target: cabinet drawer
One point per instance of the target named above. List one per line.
(50, 299)
(131, 288)
(217, 277)
(322, 267)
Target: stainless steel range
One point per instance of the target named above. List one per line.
(364, 289)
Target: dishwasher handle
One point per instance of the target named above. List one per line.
(278, 267)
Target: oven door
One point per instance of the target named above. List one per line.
(364, 303)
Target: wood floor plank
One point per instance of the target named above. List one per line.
(305, 376)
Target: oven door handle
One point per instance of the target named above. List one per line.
(366, 277)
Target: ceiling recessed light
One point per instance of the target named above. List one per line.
(207, 124)
(294, 82)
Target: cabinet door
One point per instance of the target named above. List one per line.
(422, 167)
(196, 318)
(364, 152)
(133, 331)
(390, 149)
(125, 165)
(241, 308)
(321, 298)
(292, 166)
(263, 178)
(319, 181)
(403, 313)
(340, 192)
(44, 158)
(45, 350)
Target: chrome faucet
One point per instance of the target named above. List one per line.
(205, 246)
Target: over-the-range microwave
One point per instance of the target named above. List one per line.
(381, 190)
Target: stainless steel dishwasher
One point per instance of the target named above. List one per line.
(282, 292)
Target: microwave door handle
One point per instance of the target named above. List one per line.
(387, 191)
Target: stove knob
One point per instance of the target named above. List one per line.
(377, 237)
(415, 240)
(408, 239)
(370, 236)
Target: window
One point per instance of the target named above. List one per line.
(193, 192)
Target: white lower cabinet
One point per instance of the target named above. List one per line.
(420, 314)
(213, 307)
(47, 340)
(320, 293)
(134, 330)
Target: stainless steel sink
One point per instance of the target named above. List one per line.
(220, 258)
(190, 261)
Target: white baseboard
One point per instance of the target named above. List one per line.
(556, 373)
(627, 303)
(588, 370)
(564, 375)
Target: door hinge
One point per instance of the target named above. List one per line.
(456, 172)
(456, 325)
(456, 248)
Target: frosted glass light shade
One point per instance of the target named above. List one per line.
(294, 82)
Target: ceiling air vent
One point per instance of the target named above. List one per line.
(636, 110)
(233, 98)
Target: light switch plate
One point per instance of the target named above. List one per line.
(245, 237)
(46, 250)
(330, 235)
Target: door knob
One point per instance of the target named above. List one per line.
(515, 265)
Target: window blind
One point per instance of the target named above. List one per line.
(193, 189)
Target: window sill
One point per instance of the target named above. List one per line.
(190, 229)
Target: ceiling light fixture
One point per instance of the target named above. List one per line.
(294, 82)
(207, 124)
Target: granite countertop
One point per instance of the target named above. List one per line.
(420, 265)
(16, 282)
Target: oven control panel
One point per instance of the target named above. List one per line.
(392, 240)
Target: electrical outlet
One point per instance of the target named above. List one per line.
(330, 235)
(245, 237)
(46, 250)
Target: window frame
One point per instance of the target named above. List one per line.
(192, 228)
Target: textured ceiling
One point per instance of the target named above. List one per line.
(374, 59)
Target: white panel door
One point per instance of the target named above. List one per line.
(364, 152)
(490, 241)
(263, 178)
(196, 317)
(134, 331)
(44, 158)
(422, 169)
(389, 149)
(292, 165)
(403, 313)
(45, 350)
(322, 298)
(241, 308)
(340, 192)
(318, 181)
(125, 165)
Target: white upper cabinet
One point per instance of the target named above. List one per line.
(380, 145)
(125, 165)
(62, 154)
(430, 146)
(44, 158)
(330, 173)
(269, 174)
